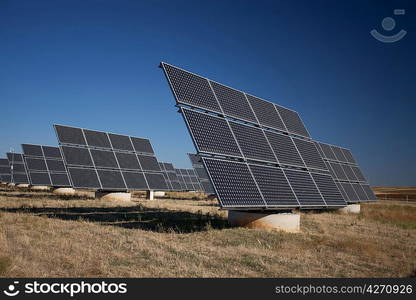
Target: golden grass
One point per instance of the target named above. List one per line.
(42, 236)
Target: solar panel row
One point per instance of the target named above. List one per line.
(17, 168)
(5, 171)
(45, 166)
(107, 161)
(188, 180)
(201, 173)
(346, 173)
(171, 178)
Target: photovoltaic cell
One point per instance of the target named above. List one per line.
(51, 152)
(32, 150)
(304, 188)
(97, 139)
(20, 178)
(328, 189)
(39, 178)
(70, 135)
(362, 196)
(36, 164)
(329, 154)
(234, 183)
(266, 113)
(284, 149)
(349, 190)
(111, 180)
(292, 121)
(55, 165)
(233, 102)
(77, 156)
(148, 163)
(128, 161)
(84, 178)
(60, 179)
(142, 145)
(252, 142)
(156, 181)
(135, 181)
(338, 154)
(309, 154)
(339, 172)
(341, 189)
(348, 156)
(191, 89)
(349, 173)
(358, 174)
(120, 142)
(211, 134)
(274, 186)
(104, 159)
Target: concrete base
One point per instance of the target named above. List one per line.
(64, 191)
(150, 195)
(159, 194)
(22, 185)
(40, 188)
(350, 209)
(288, 222)
(11, 184)
(113, 196)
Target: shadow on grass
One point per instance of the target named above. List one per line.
(132, 217)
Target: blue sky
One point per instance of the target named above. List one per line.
(94, 64)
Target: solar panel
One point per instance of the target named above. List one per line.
(284, 149)
(142, 145)
(191, 89)
(14, 157)
(309, 154)
(252, 142)
(349, 172)
(111, 180)
(211, 134)
(369, 192)
(83, 178)
(362, 195)
(304, 188)
(329, 154)
(292, 121)
(20, 178)
(274, 186)
(148, 163)
(328, 189)
(338, 154)
(40, 178)
(135, 180)
(51, 152)
(156, 181)
(5, 171)
(348, 156)
(120, 142)
(104, 159)
(350, 192)
(266, 113)
(36, 164)
(233, 176)
(75, 156)
(70, 135)
(339, 172)
(97, 139)
(18, 172)
(233, 102)
(128, 161)
(60, 179)
(32, 150)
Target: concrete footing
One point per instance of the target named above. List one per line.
(11, 184)
(22, 185)
(40, 188)
(160, 194)
(289, 222)
(113, 196)
(350, 209)
(150, 195)
(64, 191)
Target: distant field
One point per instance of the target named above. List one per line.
(42, 235)
(395, 193)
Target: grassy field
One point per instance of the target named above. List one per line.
(42, 235)
(396, 193)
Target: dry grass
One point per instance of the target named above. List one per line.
(396, 193)
(43, 236)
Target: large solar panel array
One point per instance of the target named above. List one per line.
(109, 162)
(17, 168)
(346, 173)
(172, 179)
(201, 173)
(45, 166)
(5, 172)
(256, 153)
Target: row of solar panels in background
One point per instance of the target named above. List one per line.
(203, 93)
(5, 171)
(201, 173)
(45, 166)
(99, 139)
(171, 178)
(216, 135)
(180, 179)
(261, 186)
(17, 168)
(107, 161)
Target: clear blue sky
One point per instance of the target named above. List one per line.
(93, 64)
